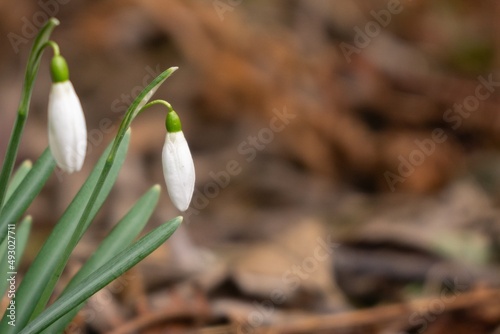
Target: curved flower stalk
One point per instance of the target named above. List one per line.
(67, 129)
(23, 110)
(178, 166)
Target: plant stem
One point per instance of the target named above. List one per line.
(155, 102)
(22, 112)
(54, 46)
(132, 112)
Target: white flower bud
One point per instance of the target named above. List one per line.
(67, 129)
(178, 169)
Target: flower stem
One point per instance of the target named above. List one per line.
(23, 109)
(155, 102)
(132, 112)
(53, 45)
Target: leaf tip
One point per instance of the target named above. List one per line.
(54, 21)
(27, 164)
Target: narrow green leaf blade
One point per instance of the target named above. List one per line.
(118, 239)
(70, 220)
(21, 239)
(103, 276)
(18, 177)
(4, 267)
(26, 192)
(73, 214)
(42, 276)
(22, 236)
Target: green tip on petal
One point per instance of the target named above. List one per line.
(173, 122)
(59, 69)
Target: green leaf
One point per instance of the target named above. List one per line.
(26, 192)
(44, 272)
(22, 235)
(103, 276)
(4, 267)
(74, 213)
(18, 177)
(21, 238)
(120, 237)
(22, 112)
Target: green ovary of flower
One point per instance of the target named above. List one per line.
(59, 69)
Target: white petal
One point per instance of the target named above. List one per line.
(67, 129)
(178, 169)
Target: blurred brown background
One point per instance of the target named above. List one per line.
(373, 125)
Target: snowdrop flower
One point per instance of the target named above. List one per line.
(178, 166)
(67, 129)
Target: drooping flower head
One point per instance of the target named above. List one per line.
(178, 166)
(67, 128)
